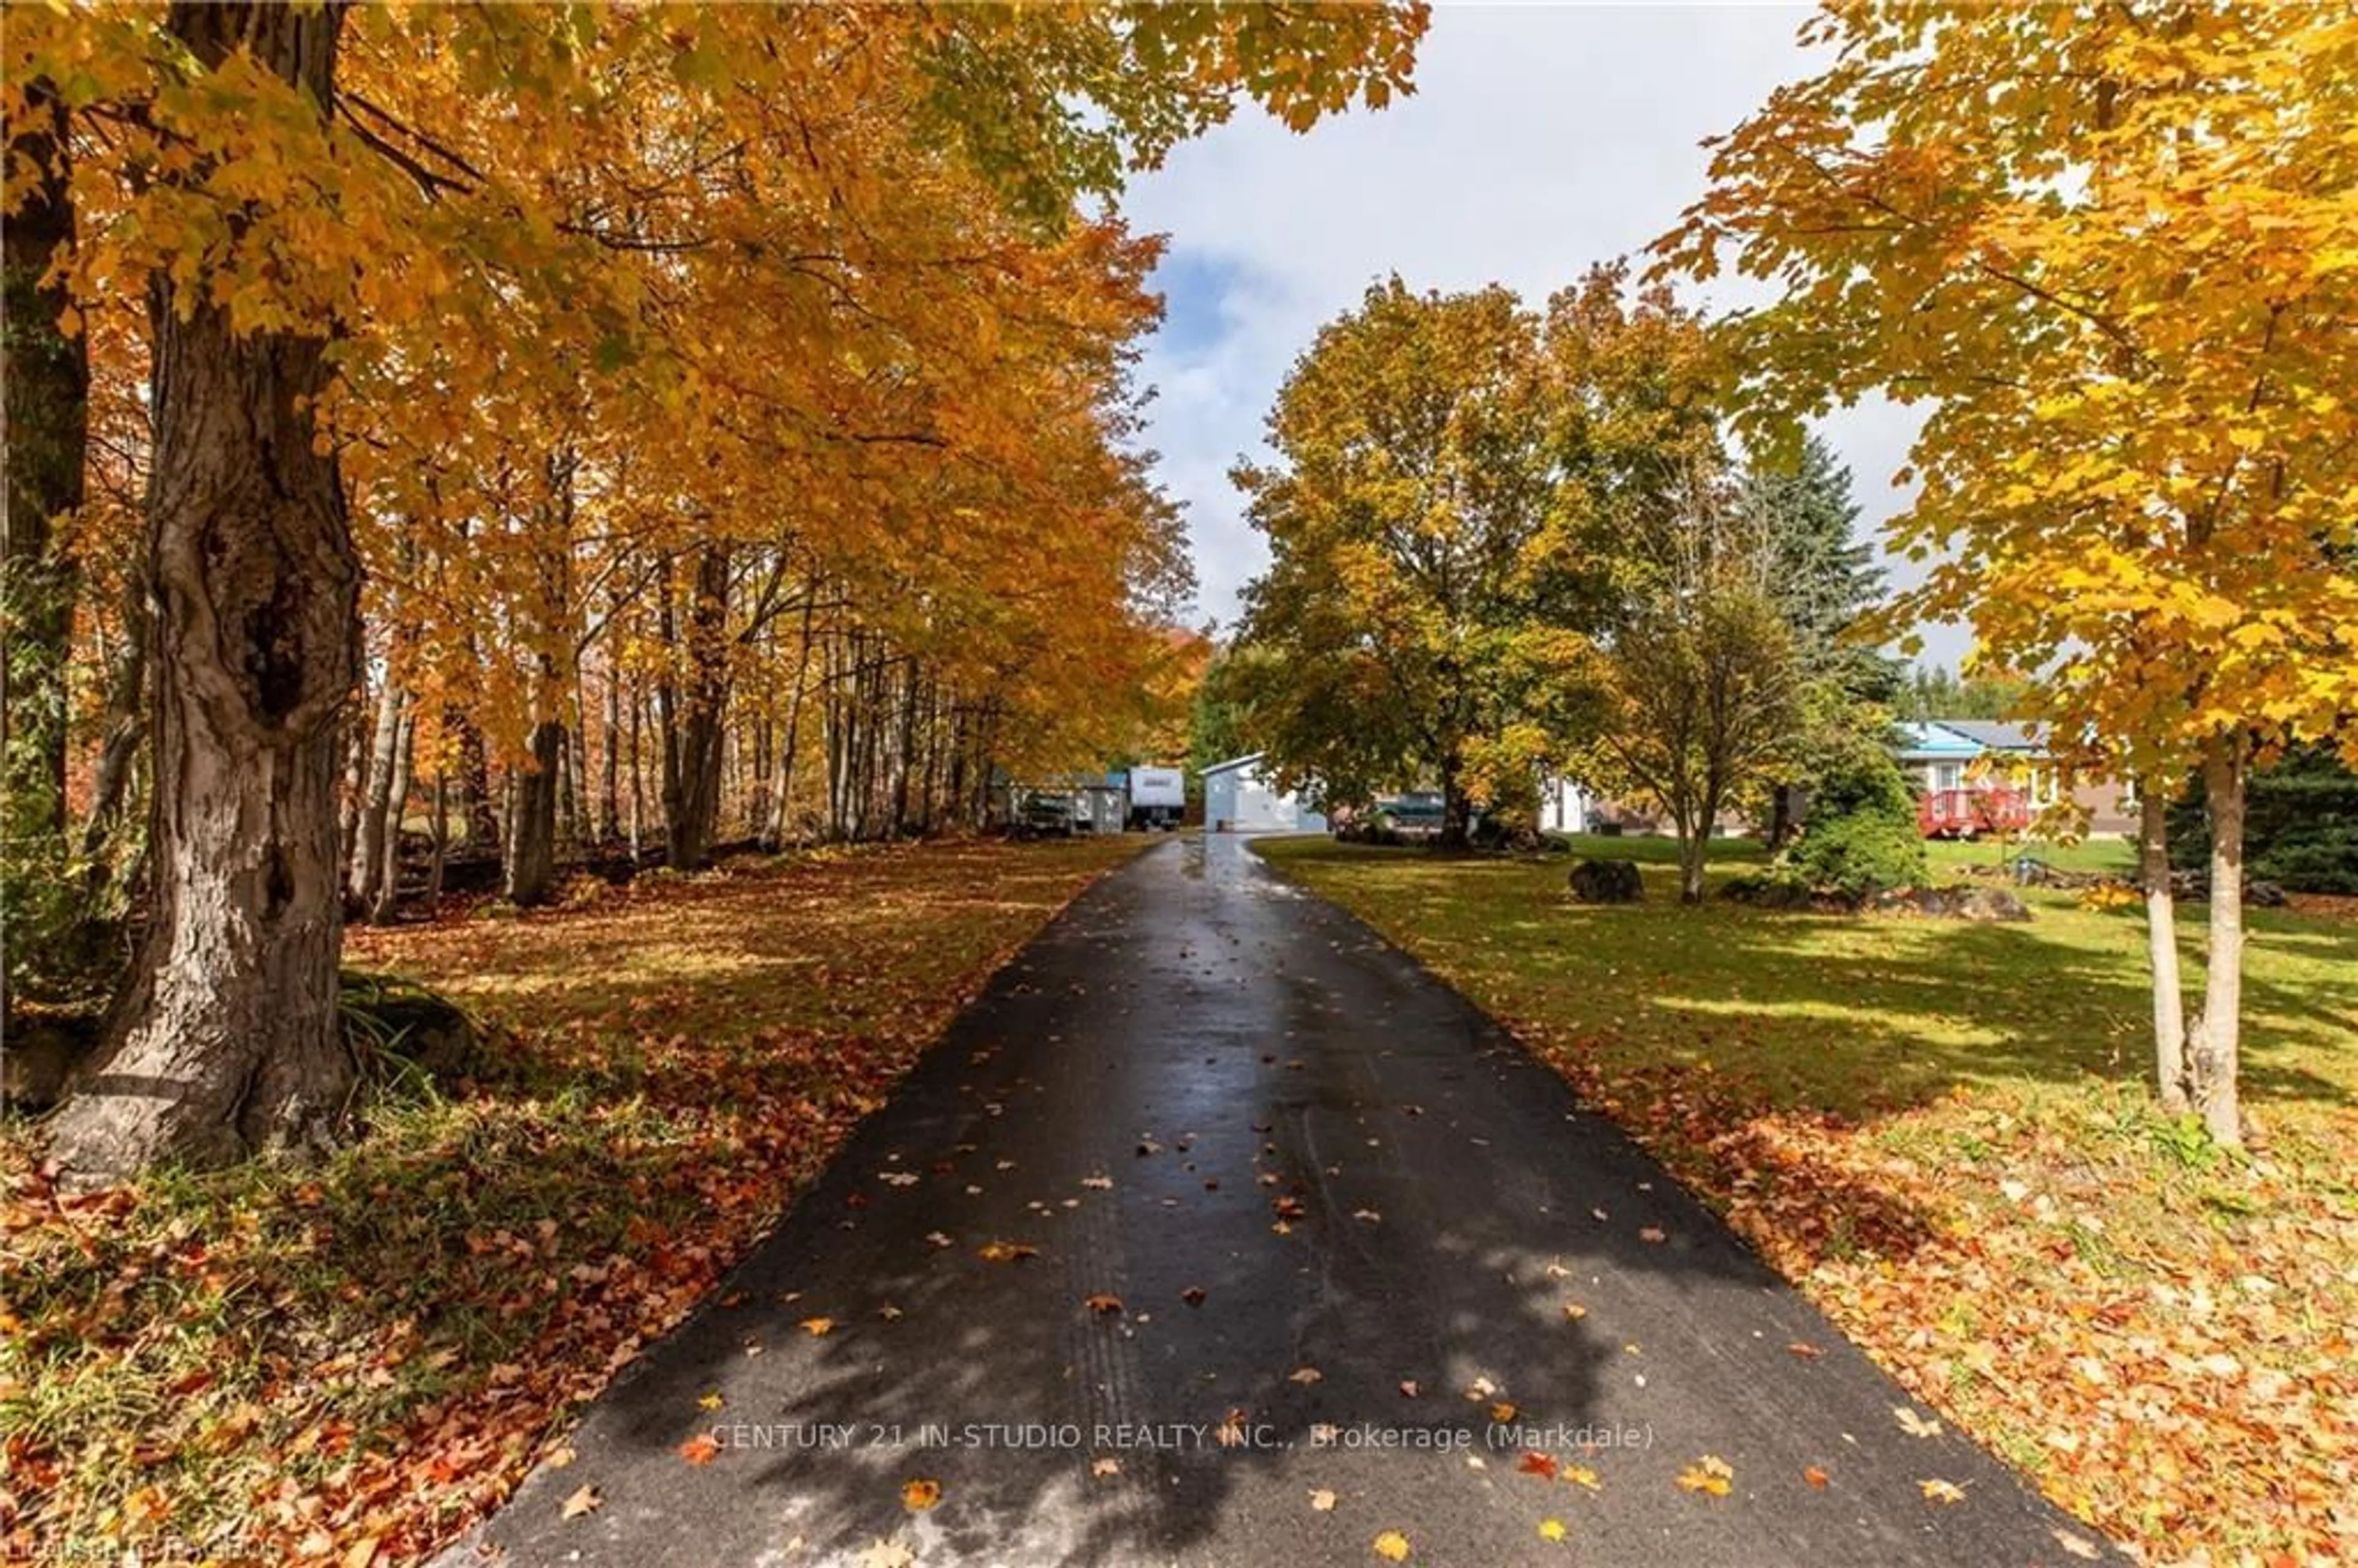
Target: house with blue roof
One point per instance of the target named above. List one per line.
(1983, 776)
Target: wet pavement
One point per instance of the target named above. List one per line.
(1349, 1247)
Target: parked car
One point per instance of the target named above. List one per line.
(1409, 818)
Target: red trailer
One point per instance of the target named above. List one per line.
(1970, 813)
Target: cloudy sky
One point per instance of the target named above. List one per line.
(1541, 138)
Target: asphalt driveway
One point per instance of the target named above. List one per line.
(1219, 1232)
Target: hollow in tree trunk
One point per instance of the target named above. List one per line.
(228, 1040)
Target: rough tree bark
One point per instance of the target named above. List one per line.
(228, 1040)
(47, 376)
(531, 835)
(692, 729)
(2161, 946)
(2216, 1040)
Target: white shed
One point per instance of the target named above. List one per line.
(1236, 799)
(1564, 806)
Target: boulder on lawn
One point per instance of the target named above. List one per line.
(1960, 903)
(1987, 904)
(1607, 881)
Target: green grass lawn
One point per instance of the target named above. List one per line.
(1943, 1131)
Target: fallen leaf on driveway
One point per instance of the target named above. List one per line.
(1370, 1215)
(1814, 1476)
(1806, 1352)
(710, 1402)
(1101, 1303)
(699, 1449)
(1097, 1183)
(819, 1327)
(919, 1496)
(1573, 1311)
(2077, 1545)
(1581, 1475)
(1105, 1466)
(1392, 1546)
(1305, 1375)
(1534, 1462)
(1915, 1425)
(1938, 1491)
(1652, 1233)
(1408, 1387)
(1005, 1251)
(1192, 1295)
(1550, 1530)
(1709, 1475)
(1323, 1500)
(888, 1554)
(584, 1500)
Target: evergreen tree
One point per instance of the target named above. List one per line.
(1825, 573)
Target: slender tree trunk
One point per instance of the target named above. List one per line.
(609, 775)
(126, 731)
(441, 838)
(365, 839)
(229, 1039)
(2161, 946)
(2217, 1040)
(396, 808)
(1456, 812)
(354, 737)
(638, 774)
(783, 813)
(484, 824)
(47, 377)
(1694, 844)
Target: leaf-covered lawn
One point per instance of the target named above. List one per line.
(1941, 1132)
(282, 1365)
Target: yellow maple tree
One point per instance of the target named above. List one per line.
(2113, 252)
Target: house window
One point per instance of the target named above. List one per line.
(1947, 776)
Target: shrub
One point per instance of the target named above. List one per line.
(1860, 832)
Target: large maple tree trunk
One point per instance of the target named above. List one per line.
(228, 1040)
(2161, 946)
(531, 835)
(2217, 1042)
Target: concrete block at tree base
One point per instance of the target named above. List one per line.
(1607, 881)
